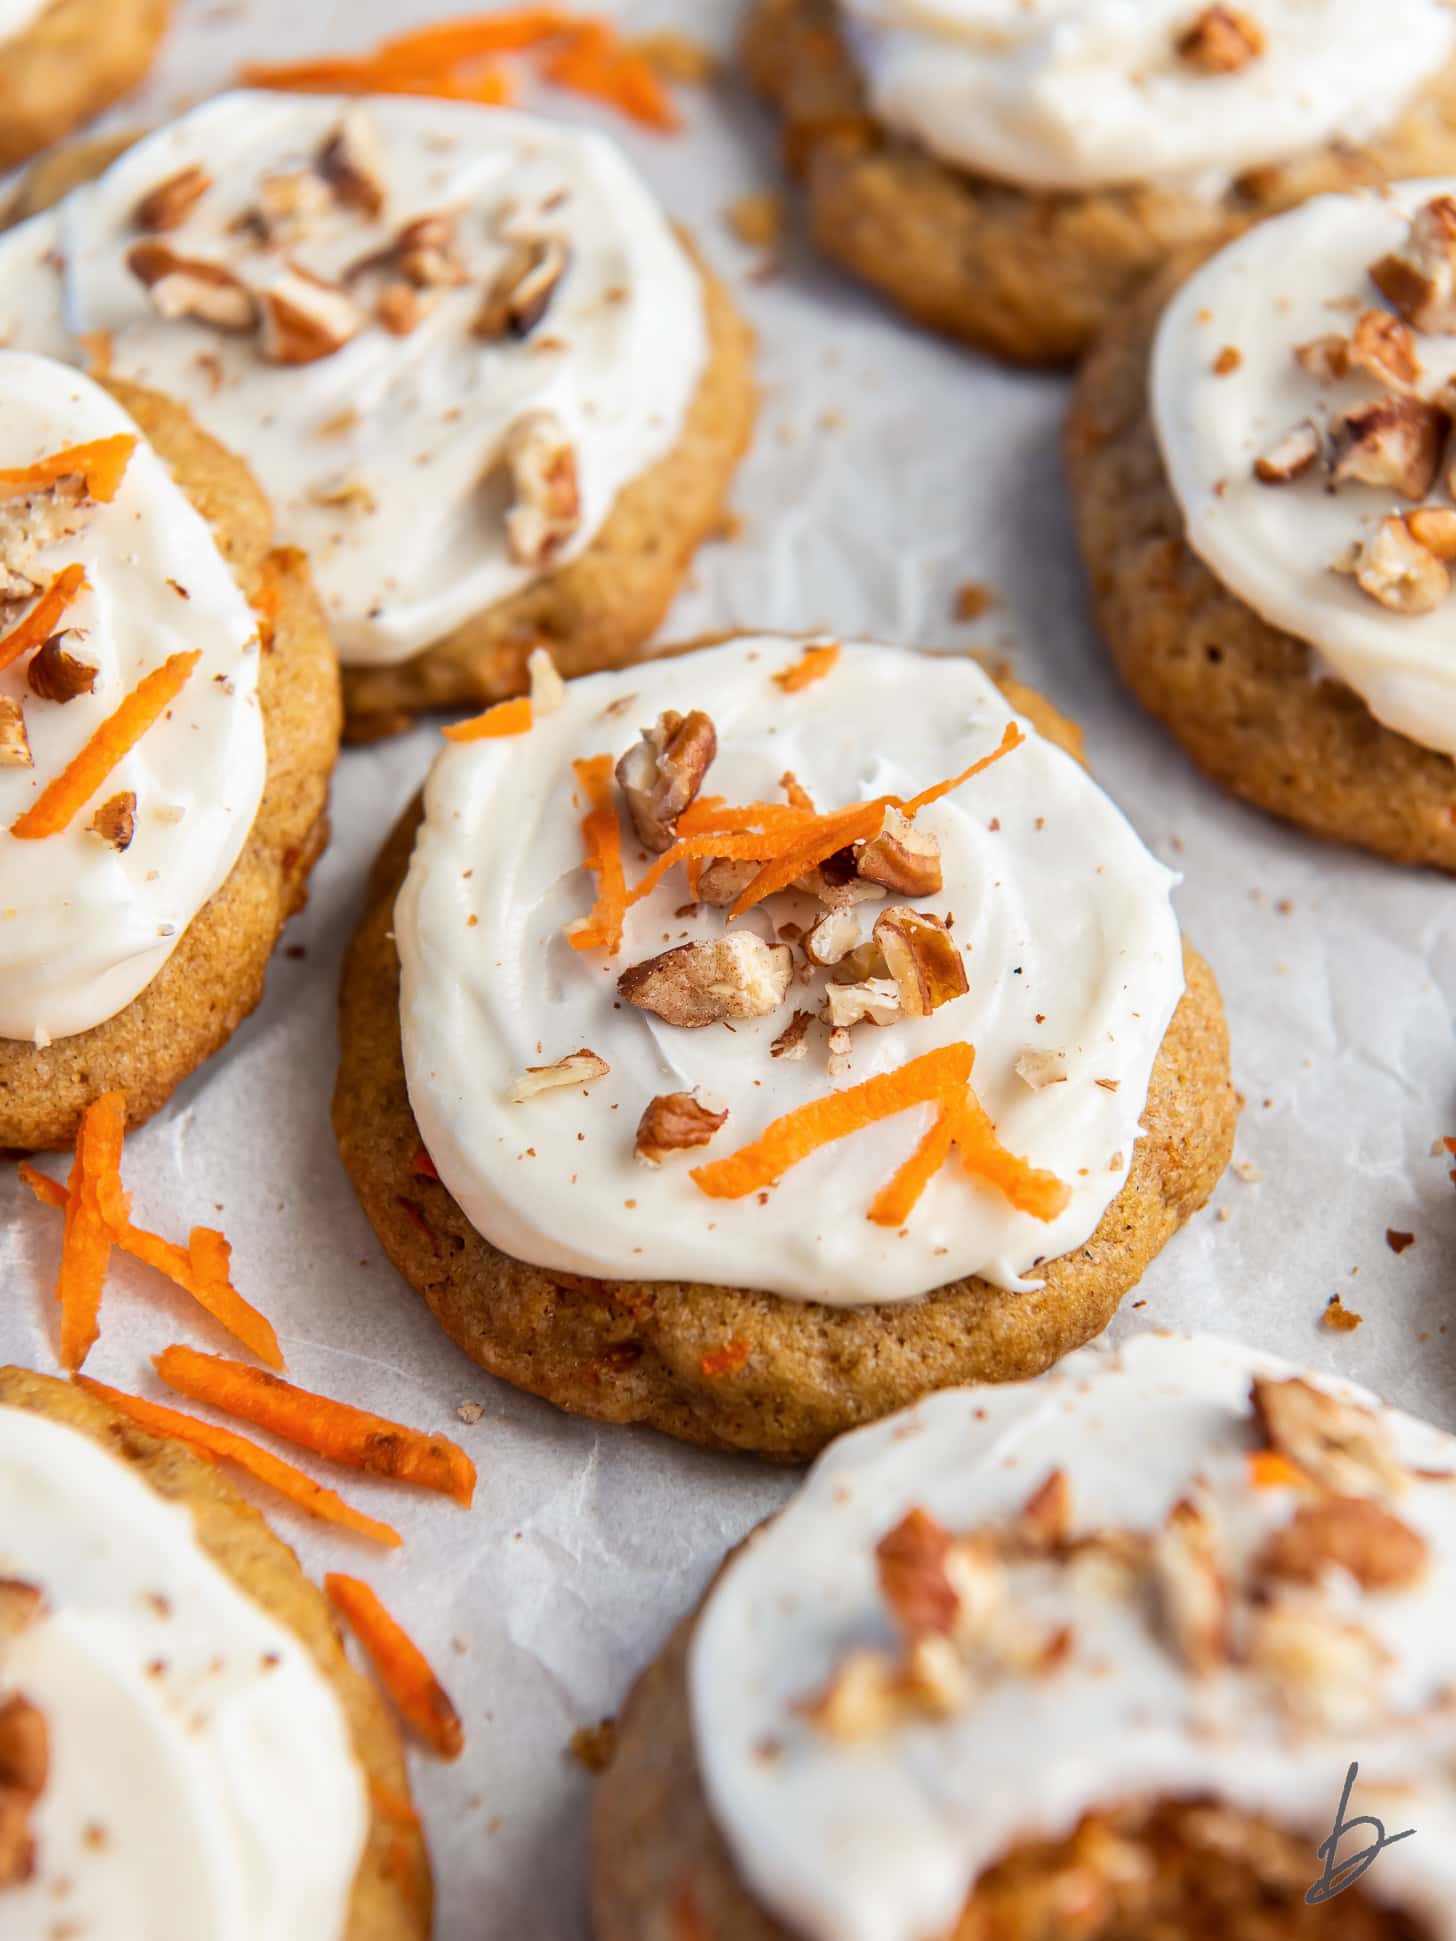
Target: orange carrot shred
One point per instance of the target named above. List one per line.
(61, 799)
(601, 838)
(392, 1805)
(926, 1080)
(403, 1669)
(812, 665)
(505, 718)
(748, 847)
(506, 32)
(211, 1287)
(594, 62)
(86, 1238)
(102, 464)
(1268, 1469)
(260, 1464)
(709, 815)
(40, 623)
(726, 1360)
(48, 1191)
(1012, 738)
(793, 788)
(899, 1196)
(353, 1438)
(1029, 1188)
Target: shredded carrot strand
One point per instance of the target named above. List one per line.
(812, 665)
(86, 1237)
(507, 32)
(900, 1195)
(403, 1669)
(709, 815)
(1029, 1188)
(1012, 738)
(726, 1360)
(793, 788)
(61, 799)
(749, 847)
(831, 834)
(260, 1464)
(505, 718)
(489, 89)
(392, 1805)
(102, 464)
(353, 1438)
(1268, 1469)
(929, 1079)
(594, 62)
(40, 623)
(601, 839)
(48, 1191)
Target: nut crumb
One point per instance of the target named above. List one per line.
(1338, 1318)
(592, 1746)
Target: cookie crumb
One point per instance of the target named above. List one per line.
(470, 1412)
(757, 219)
(1247, 1171)
(1227, 361)
(1338, 1318)
(592, 1746)
(973, 599)
(677, 57)
(1398, 1241)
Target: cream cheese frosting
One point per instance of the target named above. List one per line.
(84, 926)
(1227, 386)
(17, 15)
(202, 1778)
(384, 459)
(1087, 94)
(883, 1838)
(1064, 920)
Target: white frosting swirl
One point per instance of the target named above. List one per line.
(83, 927)
(1086, 94)
(202, 1778)
(882, 1840)
(410, 426)
(1070, 941)
(1289, 281)
(17, 15)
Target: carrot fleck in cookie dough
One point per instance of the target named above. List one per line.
(63, 61)
(480, 378)
(1081, 1659)
(1010, 174)
(1260, 464)
(787, 1030)
(169, 718)
(175, 1705)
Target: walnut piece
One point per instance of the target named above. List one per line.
(399, 308)
(1291, 456)
(790, 1041)
(738, 976)
(922, 958)
(1394, 568)
(351, 161)
(1323, 1672)
(115, 821)
(911, 1561)
(1040, 1068)
(1419, 278)
(662, 772)
(14, 741)
(55, 675)
(521, 292)
(1222, 40)
(836, 882)
(1342, 1446)
(305, 317)
(546, 508)
(832, 938)
(1348, 1533)
(291, 201)
(1383, 346)
(1395, 443)
(24, 1769)
(169, 204)
(675, 1122)
(577, 1068)
(906, 860)
(875, 1001)
(1193, 1590)
(865, 1699)
(427, 251)
(1045, 1520)
(1434, 527)
(190, 286)
(1326, 358)
(724, 881)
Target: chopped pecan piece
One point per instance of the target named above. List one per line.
(1193, 1589)
(724, 881)
(1038, 1068)
(14, 741)
(55, 675)
(1347, 1533)
(1326, 358)
(115, 820)
(875, 1001)
(351, 161)
(169, 204)
(1046, 1515)
(1383, 346)
(1419, 278)
(923, 959)
(911, 1560)
(1342, 1446)
(291, 200)
(522, 290)
(865, 1698)
(738, 976)
(829, 941)
(1434, 527)
(1324, 1673)
(836, 882)
(676, 1122)
(1222, 40)
(1396, 569)
(190, 286)
(1291, 456)
(24, 1746)
(903, 858)
(399, 308)
(662, 772)
(428, 254)
(546, 508)
(790, 1041)
(577, 1068)
(305, 317)
(1396, 443)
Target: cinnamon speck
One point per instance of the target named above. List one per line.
(1397, 1241)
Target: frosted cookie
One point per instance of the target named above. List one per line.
(169, 719)
(483, 383)
(1083, 1659)
(1258, 455)
(63, 61)
(175, 1704)
(1011, 173)
(756, 1164)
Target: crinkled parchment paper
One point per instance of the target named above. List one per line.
(889, 470)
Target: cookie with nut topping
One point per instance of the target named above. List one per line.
(1074, 1659)
(1011, 174)
(63, 61)
(690, 1042)
(1260, 451)
(486, 386)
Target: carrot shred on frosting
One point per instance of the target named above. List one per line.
(812, 665)
(1029, 1188)
(726, 1360)
(86, 1238)
(352, 1437)
(102, 464)
(601, 837)
(1268, 1469)
(40, 623)
(260, 1464)
(505, 718)
(593, 61)
(900, 1195)
(64, 797)
(403, 1669)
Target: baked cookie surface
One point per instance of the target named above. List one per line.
(366, 1869)
(964, 1684)
(1343, 727)
(162, 1002)
(512, 434)
(63, 61)
(863, 1318)
(1030, 272)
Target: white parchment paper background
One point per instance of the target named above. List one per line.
(889, 468)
